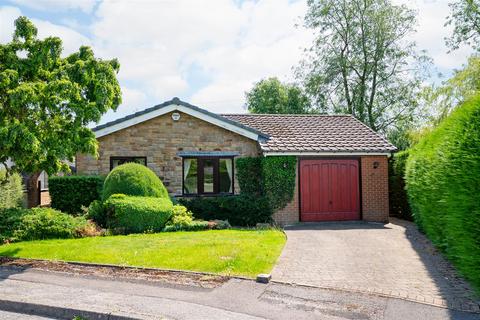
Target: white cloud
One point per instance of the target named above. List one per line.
(71, 39)
(7, 17)
(232, 44)
(57, 5)
(133, 100)
(431, 33)
(235, 45)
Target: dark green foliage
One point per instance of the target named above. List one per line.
(399, 206)
(266, 184)
(241, 210)
(443, 183)
(98, 213)
(134, 179)
(70, 193)
(37, 224)
(279, 176)
(192, 226)
(11, 191)
(132, 214)
(249, 175)
(272, 96)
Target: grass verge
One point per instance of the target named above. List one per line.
(226, 252)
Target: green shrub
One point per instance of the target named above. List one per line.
(249, 175)
(443, 183)
(132, 214)
(38, 223)
(182, 220)
(240, 210)
(193, 226)
(399, 205)
(133, 179)
(98, 213)
(70, 193)
(11, 192)
(181, 217)
(279, 174)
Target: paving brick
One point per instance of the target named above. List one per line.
(395, 259)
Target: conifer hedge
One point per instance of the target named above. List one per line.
(443, 186)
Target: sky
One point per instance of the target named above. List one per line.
(206, 52)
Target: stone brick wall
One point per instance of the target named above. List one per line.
(291, 213)
(160, 139)
(374, 188)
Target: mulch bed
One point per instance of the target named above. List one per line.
(196, 279)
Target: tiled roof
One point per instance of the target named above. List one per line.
(314, 133)
(281, 133)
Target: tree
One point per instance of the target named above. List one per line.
(463, 85)
(362, 62)
(272, 96)
(47, 101)
(465, 19)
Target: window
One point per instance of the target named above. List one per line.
(207, 175)
(116, 161)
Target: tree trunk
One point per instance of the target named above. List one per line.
(33, 193)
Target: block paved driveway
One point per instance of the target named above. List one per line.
(393, 260)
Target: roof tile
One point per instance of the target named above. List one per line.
(314, 133)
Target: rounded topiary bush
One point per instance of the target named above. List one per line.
(133, 179)
(133, 214)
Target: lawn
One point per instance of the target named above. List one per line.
(227, 252)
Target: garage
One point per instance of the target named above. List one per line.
(329, 190)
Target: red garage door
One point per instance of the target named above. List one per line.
(329, 190)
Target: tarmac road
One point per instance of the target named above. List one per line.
(35, 294)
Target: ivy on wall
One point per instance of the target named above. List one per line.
(279, 176)
(249, 175)
(273, 177)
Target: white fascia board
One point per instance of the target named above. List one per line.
(174, 107)
(218, 122)
(326, 154)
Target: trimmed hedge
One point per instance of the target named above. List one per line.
(98, 213)
(133, 179)
(11, 192)
(70, 193)
(240, 210)
(249, 175)
(192, 226)
(399, 206)
(38, 224)
(443, 183)
(131, 214)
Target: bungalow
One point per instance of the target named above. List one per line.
(342, 171)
